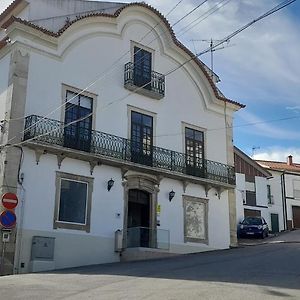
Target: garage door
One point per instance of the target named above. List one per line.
(252, 213)
(296, 216)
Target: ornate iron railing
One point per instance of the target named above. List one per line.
(156, 84)
(50, 131)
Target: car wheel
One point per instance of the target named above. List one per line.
(263, 235)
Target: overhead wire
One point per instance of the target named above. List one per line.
(107, 71)
(85, 89)
(275, 9)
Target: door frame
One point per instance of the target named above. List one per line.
(145, 183)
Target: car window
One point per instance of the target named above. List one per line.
(252, 221)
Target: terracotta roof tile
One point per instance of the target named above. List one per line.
(115, 15)
(279, 166)
(8, 10)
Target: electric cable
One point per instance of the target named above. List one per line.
(275, 9)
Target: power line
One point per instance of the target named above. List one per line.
(108, 71)
(275, 9)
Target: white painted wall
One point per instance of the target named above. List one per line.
(260, 187)
(84, 53)
(4, 89)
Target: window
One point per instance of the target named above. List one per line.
(195, 219)
(142, 67)
(73, 201)
(250, 198)
(269, 195)
(78, 135)
(141, 138)
(296, 186)
(194, 149)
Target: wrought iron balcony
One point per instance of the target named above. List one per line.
(53, 132)
(152, 86)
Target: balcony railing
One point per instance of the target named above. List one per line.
(148, 238)
(155, 86)
(53, 132)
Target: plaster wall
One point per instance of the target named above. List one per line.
(183, 102)
(4, 86)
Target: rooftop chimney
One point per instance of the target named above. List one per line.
(290, 160)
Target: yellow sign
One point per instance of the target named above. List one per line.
(158, 208)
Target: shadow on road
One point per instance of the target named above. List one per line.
(266, 265)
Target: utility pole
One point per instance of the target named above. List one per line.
(254, 148)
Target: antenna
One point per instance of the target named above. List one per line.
(254, 148)
(212, 43)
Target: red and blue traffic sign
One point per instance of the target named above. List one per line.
(8, 219)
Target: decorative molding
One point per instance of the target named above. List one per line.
(60, 158)
(38, 154)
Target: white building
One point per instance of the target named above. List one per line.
(255, 192)
(285, 185)
(82, 123)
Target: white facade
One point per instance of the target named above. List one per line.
(88, 52)
(257, 192)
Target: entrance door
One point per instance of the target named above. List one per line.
(296, 216)
(138, 219)
(274, 223)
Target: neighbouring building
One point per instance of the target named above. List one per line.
(285, 186)
(255, 193)
(108, 151)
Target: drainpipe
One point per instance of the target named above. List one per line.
(283, 192)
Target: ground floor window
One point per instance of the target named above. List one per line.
(195, 219)
(73, 201)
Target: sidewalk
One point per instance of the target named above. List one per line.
(281, 237)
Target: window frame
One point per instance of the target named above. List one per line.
(75, 178)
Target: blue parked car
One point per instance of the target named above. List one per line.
(253, 227)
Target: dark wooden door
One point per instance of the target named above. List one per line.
(274, 223)
(296, 216)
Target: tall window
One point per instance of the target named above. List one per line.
(78, 134)
(142, 67)
(73, 201)
(194, 149)
(141, 138)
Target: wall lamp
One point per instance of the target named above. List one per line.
(110, 184)
(171, 195)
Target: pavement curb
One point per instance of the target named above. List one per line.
(270, 242)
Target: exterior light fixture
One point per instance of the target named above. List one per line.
(171, 195)
(110, 184)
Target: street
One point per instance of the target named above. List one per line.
(268, 271)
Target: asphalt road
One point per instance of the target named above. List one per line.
(270, 271)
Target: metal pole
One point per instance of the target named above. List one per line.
(2, 259)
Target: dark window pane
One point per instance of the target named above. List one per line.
(72, 206)
(189, 133)
(136, 117)
(147, 120)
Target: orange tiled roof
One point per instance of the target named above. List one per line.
(279, 166)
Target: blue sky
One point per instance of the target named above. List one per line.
(261, 68)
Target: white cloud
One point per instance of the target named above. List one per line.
(279, 154)
(258, 127)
